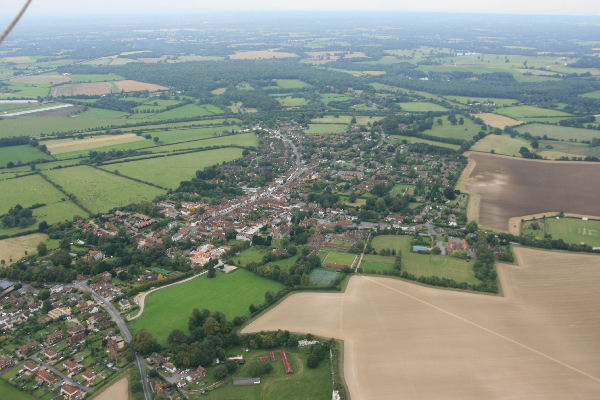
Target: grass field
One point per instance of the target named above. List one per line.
(289, 101)
(18, 154)
(100, 191)
(470, 100)
(290, 83)
(559, 132)
(31, 126)
(168, 172)
(15, 248)
(571, 230)
(420, 106)
(9, 392)
(327, 98)
(333, 256)
(252, 254)
(345, 119)
(326, 128)
(501, 144)
(466, 131)
(411, 139)
(187, 111)
(552, 149)
(79, 78)
(305, 383)
(230, 294)
(419, 264)
(531, 113)
(592, 95)
(26, 191)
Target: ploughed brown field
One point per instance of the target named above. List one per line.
(405, 341)
(510, 187)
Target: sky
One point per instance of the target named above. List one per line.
(91, 7)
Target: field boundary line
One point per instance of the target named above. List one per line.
(72, 198)
(142, 296)
(128, 177)
(488, 330)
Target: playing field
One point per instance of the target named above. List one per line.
(403, 340)
(168, 172)
(466, 131)
(419, 106)
(231, 294)
(574, 230)
(332, 256)
(326, 128)
(304, 384)
(501, 144)
(418, 264)
(100, 191)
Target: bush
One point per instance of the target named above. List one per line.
(312, 361)
(220, 372)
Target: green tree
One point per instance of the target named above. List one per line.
(220, 372)
(144, 342)
(42, 249)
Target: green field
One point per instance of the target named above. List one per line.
(571, 230)
(289, 101)
(322, 276)
(592, 95)
(466, 131)
(169, 171)
(290, 83)
(333, 256)
(326, 128)
(531, 113)
(553, 149)
(100, 191)
(470, 100)
(26, 191)
(560, 132)
(30, 126)
(304, 384)
(231, 294)
(501, 144)
(329, 97)
(344, 119)
(411, 139)
(19, 154)
(187, 111)
(9, 392)
(420, 106)
(418, 264)
(402, 189)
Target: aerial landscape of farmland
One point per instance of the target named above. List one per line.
(303, 202)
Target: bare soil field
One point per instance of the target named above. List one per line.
(511, 187)
(76, 89)
(119, 390)
(42, 79)
(260, 54)
(497, 121)
(406, 341)
(135, 86)
(14, 248)
(59, 147)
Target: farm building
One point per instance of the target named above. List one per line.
(286, 362)
(245, 381)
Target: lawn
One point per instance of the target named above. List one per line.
(24, 153)
(531, 113)
(420, 106)
(169, 171)
(466, 131)
(304, 384)
(560, 132)
(326, 128)
(8, 391)
(290, 83)
(100, 191)
(418, 264)
(231, 294)
(501, 144)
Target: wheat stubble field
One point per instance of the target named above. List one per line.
(512, 187)
(401, 340)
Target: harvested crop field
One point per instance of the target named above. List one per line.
(260, 54)
(497, 121)
(510, 187)
(78, 89)
(53, 79)
(135, 86)
(401, 340)
(15, 248)
(60, 146)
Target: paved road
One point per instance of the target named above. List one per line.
(116, 317)
(62, 376)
